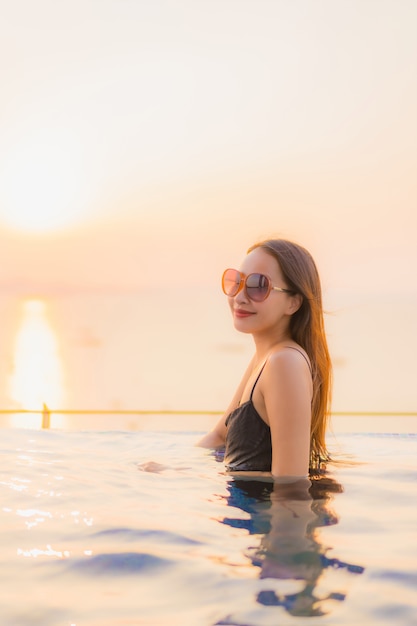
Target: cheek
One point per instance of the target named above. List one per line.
(271, 314)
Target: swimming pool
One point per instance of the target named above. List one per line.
(88, 538)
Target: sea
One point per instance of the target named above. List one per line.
(112, 516)
(175, 349)
(142, 528)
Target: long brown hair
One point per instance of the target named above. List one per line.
(307, 329)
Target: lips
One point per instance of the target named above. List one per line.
(242, 313)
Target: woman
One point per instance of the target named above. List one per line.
(276, 422)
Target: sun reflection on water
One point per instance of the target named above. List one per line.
(37, 373)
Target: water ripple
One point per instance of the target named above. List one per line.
(132, 534)
(123, 563)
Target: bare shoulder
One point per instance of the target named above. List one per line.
(288, 370)
(289, 358)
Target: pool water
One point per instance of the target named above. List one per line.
(122, 528)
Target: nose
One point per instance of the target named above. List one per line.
(241, 297)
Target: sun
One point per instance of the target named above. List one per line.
(43, 185)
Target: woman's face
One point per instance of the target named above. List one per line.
(271, 314)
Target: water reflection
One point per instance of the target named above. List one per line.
(287, 519)
(37, 369)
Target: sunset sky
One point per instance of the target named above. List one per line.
(143, 138)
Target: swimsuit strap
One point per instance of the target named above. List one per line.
(257, 378)
(262, 369)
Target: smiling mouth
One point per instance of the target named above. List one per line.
(242, 313)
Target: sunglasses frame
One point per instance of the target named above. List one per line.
(242, 284)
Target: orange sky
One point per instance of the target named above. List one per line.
(168, 136)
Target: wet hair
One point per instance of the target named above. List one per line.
(307, 329)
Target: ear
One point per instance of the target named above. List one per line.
(294, 303)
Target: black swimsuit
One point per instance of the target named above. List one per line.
(248, 437)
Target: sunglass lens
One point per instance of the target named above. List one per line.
(231, 282)
(257, 287)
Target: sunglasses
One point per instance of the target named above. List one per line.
(257, 286)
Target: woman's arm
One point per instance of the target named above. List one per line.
(286, 387)
(216, 438)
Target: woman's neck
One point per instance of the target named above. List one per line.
(265, 344)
